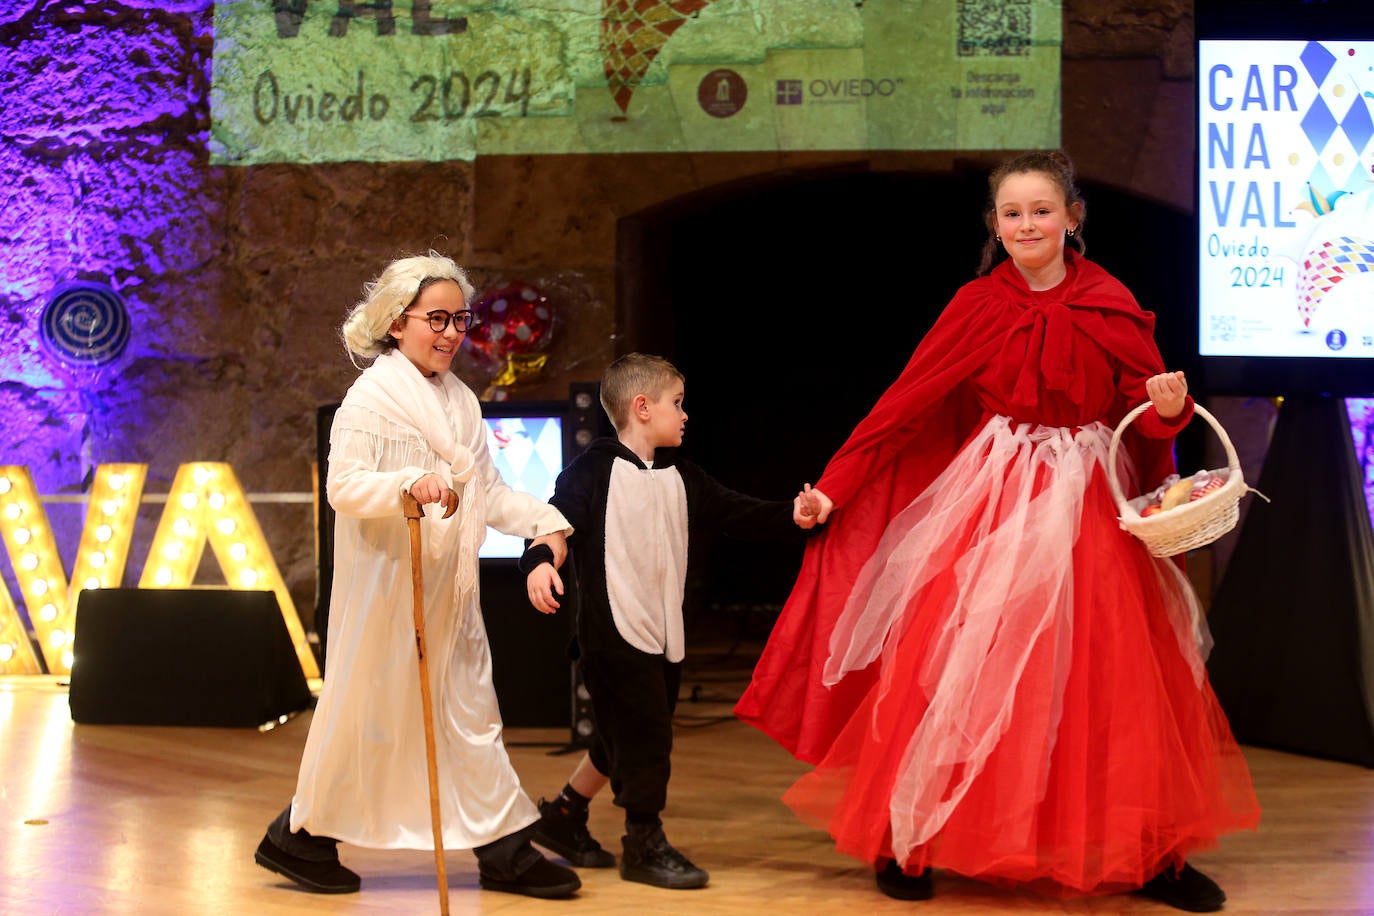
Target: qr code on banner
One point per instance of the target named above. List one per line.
(1224, 327)
(994, 28)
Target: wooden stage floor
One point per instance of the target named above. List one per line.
(154, 820)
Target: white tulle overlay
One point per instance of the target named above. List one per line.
(1000, 524)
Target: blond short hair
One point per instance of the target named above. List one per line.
(367, 330)
(630, 375)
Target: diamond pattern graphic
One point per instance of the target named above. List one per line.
(1337, 245)
(632, 34)
(1328, 264)
(1319, 124)
(1357, 124)
(528, 453)
(1318, 61)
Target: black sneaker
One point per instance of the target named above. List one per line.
(564, 832)
(320, 876)
(652, 860)
(896, 883)
(542, 879)
(1186, 889)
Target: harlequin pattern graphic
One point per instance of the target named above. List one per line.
(1328, 264)
(85, 324)
(528, 453)
(1331, 120)
(632, 34)
(1340, 128)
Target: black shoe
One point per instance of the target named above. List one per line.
(542, 879)
(896, 883)
(1187, 889)
(650, 859)
(565, 832)
(322, 876)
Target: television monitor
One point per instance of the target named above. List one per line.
(526, 443)
(1285, 196)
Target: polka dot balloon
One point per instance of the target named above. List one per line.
(515, 319)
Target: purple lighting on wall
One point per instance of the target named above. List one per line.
(107, 208)
(101, 181)
(1361, 413)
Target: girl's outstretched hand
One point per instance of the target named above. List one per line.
(812, 504)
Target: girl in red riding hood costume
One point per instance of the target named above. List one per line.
(989, 675)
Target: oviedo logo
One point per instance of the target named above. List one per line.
(721, 93)
(849, 90)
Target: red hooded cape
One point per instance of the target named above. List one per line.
(1063, 357)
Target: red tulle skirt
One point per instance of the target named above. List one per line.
(1042, 717)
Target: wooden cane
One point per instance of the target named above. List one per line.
(413, 514)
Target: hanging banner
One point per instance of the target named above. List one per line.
(428, 80)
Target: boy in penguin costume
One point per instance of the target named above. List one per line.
(641, 516)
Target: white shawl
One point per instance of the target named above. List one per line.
(393, 401)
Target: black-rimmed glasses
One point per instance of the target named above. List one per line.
(463, 319)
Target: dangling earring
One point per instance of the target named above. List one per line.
(1072, 231)
(997, 237)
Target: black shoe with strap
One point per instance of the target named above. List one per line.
(1185, 889)
(650, 859)
(540, 878)
(898, 884)
(321, 873)
(563, 830)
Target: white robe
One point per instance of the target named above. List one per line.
(363, 777)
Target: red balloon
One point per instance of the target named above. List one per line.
(515, 319)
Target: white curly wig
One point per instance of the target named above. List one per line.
(367, 330)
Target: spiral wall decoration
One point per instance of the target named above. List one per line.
(85, 324)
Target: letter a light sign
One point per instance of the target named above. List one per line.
(206, 503)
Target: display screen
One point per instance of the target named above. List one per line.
(1286, 198)
(528, 453)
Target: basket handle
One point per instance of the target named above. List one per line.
(1232, 460)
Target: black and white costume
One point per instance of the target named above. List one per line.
(638, 529)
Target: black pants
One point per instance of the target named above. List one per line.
(633, 698)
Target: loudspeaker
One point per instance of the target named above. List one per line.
(583, 731)
(202, 656)
(529, 650)
(586, 419)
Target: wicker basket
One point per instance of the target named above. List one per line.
(1192, 524)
